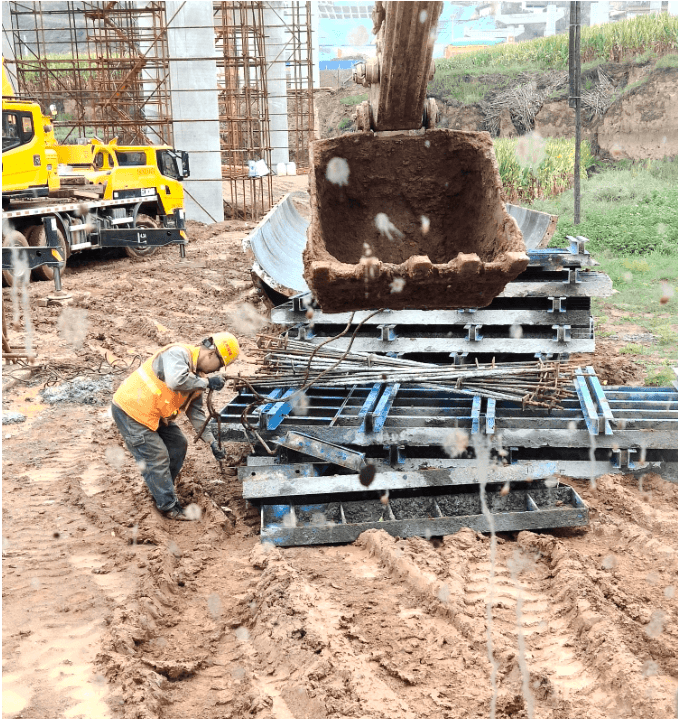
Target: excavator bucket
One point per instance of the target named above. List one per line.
(409, 220)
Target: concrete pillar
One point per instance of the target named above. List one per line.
(672, 7)
(277, 54)
(195, 108)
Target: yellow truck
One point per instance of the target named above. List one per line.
(83, 196)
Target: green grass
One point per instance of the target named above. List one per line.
(670, 60)
(631, 209)
(469, 92)
(630, 214)
(354, 99)
(631, 349)
(660, 377)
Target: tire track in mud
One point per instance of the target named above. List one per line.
(612, 647)
(396, 628)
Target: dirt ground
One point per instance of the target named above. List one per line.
(112, 611)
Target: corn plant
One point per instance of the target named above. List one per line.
(529, 175)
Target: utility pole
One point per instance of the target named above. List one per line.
(575, 98)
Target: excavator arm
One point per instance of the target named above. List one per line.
(401, 218)
(397, 77)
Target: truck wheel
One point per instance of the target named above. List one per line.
(149, 223)
(37, 238)
(14, 239)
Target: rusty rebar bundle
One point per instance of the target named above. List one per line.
(295, 364)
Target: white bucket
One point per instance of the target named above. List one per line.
(261, 168)
(281, 169)
(291, 168)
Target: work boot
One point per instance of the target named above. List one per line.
(176, 512)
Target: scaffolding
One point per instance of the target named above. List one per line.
(291, 21)
(248, 105)
(103, 65)
(243, 107)
(300, 84)
(106, 67)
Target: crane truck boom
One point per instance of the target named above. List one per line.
(404, 215)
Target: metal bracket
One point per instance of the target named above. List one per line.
(573, 276)
(459, 358)
(306, 333)
(475, 413)
(470, 310)
(490, 415)
(300, 303)
(396, 454)
(623, 458)
(387, 333)
(563, 333)
(578, 245)
(273, 414)
(473, 333)
(557, 304)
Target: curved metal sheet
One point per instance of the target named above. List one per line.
(278, 242)
(537, 227)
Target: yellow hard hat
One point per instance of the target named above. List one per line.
(227, 346)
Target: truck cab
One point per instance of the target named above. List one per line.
(127, 171)
(29, 161)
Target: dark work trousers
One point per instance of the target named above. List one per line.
(159, 455)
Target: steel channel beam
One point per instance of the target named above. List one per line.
(269, 482)
(327, 451)
(535, 436)
(593, 284)
(384, 406)
(502, 522)
(302, 480)
(285, 315)
(587, 407)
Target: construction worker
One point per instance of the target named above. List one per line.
(147, 402)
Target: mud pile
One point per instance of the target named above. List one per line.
(405, 221)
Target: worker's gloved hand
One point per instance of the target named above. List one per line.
(217, 451)
(216, 382)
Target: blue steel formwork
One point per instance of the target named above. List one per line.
(406, 432)
(313, 489)
(546, 311)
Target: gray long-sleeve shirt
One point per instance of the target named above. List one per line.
(174, 369)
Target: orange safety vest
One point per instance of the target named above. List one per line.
(147, 399)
